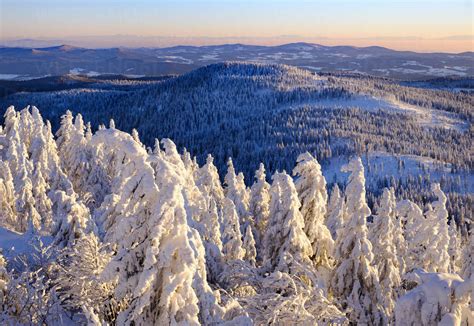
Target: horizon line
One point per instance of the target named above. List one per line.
(59, 42)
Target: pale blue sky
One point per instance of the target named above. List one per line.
(333, 19)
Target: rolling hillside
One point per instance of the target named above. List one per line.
(271, 113)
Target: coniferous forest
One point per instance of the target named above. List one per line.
(236, 163)
(103, 227)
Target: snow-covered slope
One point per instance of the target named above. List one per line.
(274, 112)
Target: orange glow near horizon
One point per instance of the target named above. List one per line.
(416, 25)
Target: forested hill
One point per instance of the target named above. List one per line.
(95, 229)
(271, 113)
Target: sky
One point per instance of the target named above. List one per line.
(420, 25)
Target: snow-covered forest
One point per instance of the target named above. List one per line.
(272, 113)
(99, 229)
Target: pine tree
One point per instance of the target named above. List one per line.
(311, 188)
(355, 281)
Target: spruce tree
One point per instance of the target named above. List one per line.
(355, 280)
(311, 188)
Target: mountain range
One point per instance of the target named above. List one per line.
(25, 63)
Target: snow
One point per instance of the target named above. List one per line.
(76, 71)
(176, 247)
(13, 244)
(210, 57)
(384, 164)
(439, 298)
(175, 59)
(425, 117)
(439, 72)
(19, 77)
(8, 76)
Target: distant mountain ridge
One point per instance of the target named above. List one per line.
(16, 62)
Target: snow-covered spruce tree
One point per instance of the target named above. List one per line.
(125, 182)
(286, 245)
(211, 228)
(259, 207)
(4, 278)
(98, 183)
(64, 134)
(71, 219)
(164, 293)
(237, 192)
(311, 188)
(10, 119)
(249, 246)
(8, 215)
(355, 280)
(208, 181)
(43, 150)
(438, 299)
(385, 260)
(136, 137)
(74, 150)
(335, 211)
(467, 271)
(454, 248)
(195, 202)
(190, 164)
(211, 237)
(43, 204)
(398, 233)
(26, 127)
(231, 236)
(437, 255)
(25, 202)
(54, 175)
(159, 266)
(417, 233)
(16, 152)
(71, 145)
